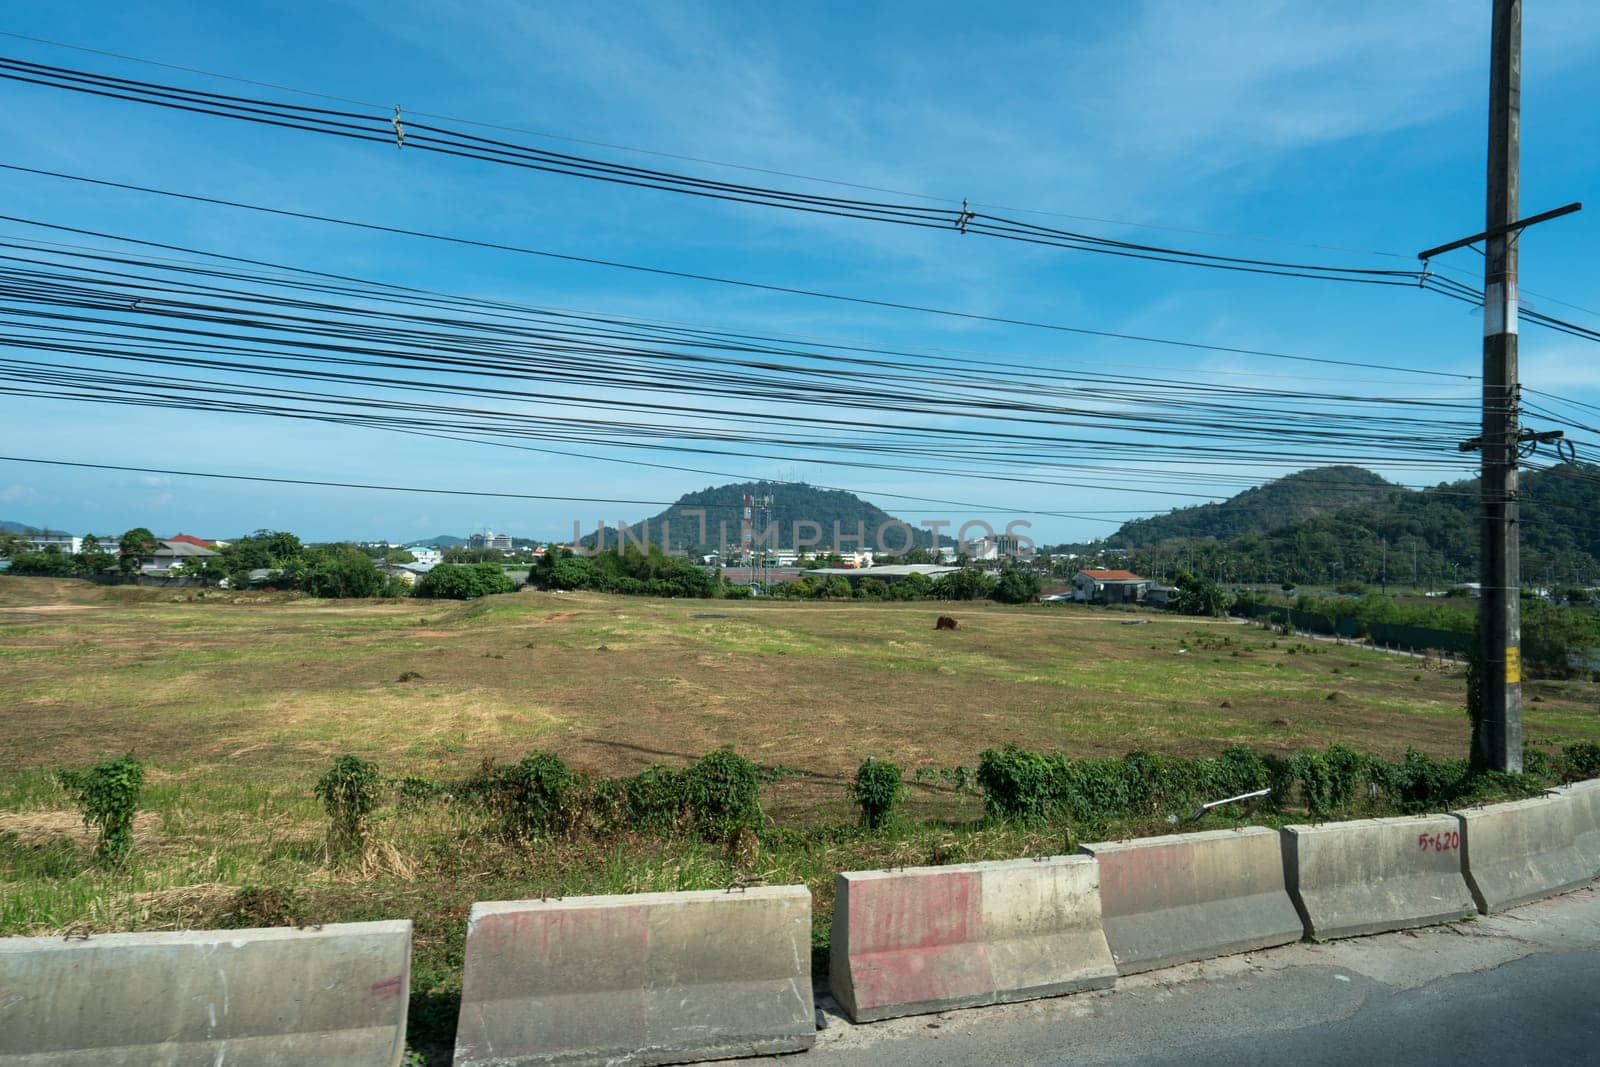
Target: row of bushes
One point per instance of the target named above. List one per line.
(625, 570)
(1012, 585)
(1035, 787)
(1552, 634)
(717, 798)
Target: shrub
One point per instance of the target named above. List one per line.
(537, 796)
(414, 790)
(722, 791)
(464, 581)
(1015, 784)
(878, 790)
(654, 800)
(108, 796)
(1583, 759)
(348, 791)
(1017, 585)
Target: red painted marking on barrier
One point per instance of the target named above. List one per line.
(544, 948)
(1134, 879)
(918, 938)
(1448, 841)
(916, 911)
(389, 987)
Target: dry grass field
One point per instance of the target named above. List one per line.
(237, 702)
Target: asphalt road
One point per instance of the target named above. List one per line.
(1521, 988)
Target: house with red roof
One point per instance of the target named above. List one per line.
(188, 539)
(1109, 587)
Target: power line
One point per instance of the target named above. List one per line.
(385, 129)
(685, 275)
(548, 135)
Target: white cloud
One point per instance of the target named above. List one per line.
(18, 494)
(1557, 367)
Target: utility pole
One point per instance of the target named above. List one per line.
(1500, 574)
(1500, 565)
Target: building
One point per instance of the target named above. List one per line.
(896, 572)
(489, 539)
(408, 573)
(993, 548)
(189, 540)
(1109, 587)
(63, 543)
(1160, 595)
(425, 554)
(170, 554)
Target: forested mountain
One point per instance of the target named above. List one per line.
(684, 527)
(1431, 535)
(1302, 495)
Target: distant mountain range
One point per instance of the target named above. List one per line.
(1293, 498)
(1325, 524)
(712, 517)
(1334, 523)
(7, 526)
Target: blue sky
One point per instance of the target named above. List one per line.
(1359, 126)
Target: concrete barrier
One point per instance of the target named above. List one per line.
(638, 979)
(1586, 825)
(331, 994)
(924, 939)
(1522, 850)
(1169, 900)
(1371, 875)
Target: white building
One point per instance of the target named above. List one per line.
(169, 554)
(65, 543)
(427, 555)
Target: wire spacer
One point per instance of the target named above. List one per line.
(965, 217)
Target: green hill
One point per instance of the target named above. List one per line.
(7, 526)
(1298, 496)
(1269, 535)
(702, 520)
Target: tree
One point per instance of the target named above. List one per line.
(342, 571)
(1017, 585)
(94, 560)
(964, 584)
(1197, 595)
(872, 589)
(138, 545)
(463, 581)
(50, 562)
(915, 586)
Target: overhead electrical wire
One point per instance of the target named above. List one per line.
(685, 275)
(353, 336)
(386, 129)
(971, 403)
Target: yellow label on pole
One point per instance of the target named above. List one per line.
(1513, 665)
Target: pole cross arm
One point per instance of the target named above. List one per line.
(1520, 224)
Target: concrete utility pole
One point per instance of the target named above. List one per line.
(1500, 661)
(1500, 568)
